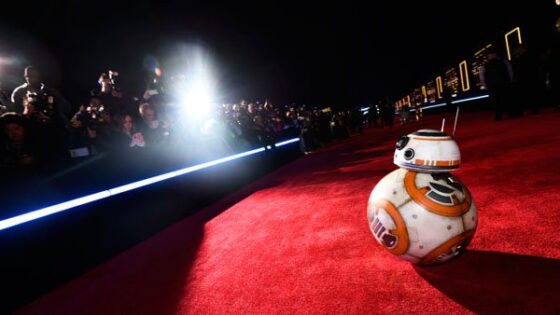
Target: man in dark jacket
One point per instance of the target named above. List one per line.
(33, 85)
(497, 77)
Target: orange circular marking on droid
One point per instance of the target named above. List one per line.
(419, 195)
(446, 247)
(400, 231)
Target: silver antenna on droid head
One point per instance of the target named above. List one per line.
(455, 123)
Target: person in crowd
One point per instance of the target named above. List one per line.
(356, 121)
(231, 115)
(92, 127)
(323, 122)
(497, 77)
(388, 113)
(18, 148)
(246, 122)
(526, 73)
(418, 110)
(128, 135)
(306, 131)
(5, 103)
(373, 114)
(109, 95)
(49, 100)
(153, 129)
(549, 76)
(51, 131)
(339, 126)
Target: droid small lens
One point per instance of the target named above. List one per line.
(408, 154)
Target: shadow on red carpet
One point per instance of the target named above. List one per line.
(499, 283)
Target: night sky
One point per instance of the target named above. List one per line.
(321, 54)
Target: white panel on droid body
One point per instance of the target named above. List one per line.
(427, 151)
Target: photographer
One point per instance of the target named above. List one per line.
(39, 110)
(44, 97)
(5, 103)
(91, 128)
(110, 94)
(154, 86)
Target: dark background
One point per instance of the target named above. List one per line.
(321, 54)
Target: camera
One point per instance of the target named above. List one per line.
(91, 116)
(3, 109)
(41, 102)
(113, 78)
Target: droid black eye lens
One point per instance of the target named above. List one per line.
(408, 154)
(401, 143)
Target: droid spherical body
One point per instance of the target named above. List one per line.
(420, 212)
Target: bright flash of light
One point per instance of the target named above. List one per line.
(6, 62)
(195, 83)
(197, 99)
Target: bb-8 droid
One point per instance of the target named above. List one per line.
(420, 212)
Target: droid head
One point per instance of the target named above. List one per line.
(428, 151)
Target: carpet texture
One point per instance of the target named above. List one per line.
(297, 241)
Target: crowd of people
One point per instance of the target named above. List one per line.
(528, 82)
(41, 128)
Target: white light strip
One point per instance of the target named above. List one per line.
(33, 215)
(279, 144)
(430, 106)
(470, 99)
(434, 106)
(37, 214)
(453, 102)
(364, 109)
(190, 169)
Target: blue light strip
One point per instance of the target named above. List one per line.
(279, 144)
(33, 215)
(470, 99)
(40, 213)
(430, 106)
(453, 102)
(183, 171)
(434, 106)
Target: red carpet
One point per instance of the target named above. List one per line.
(298, 240)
